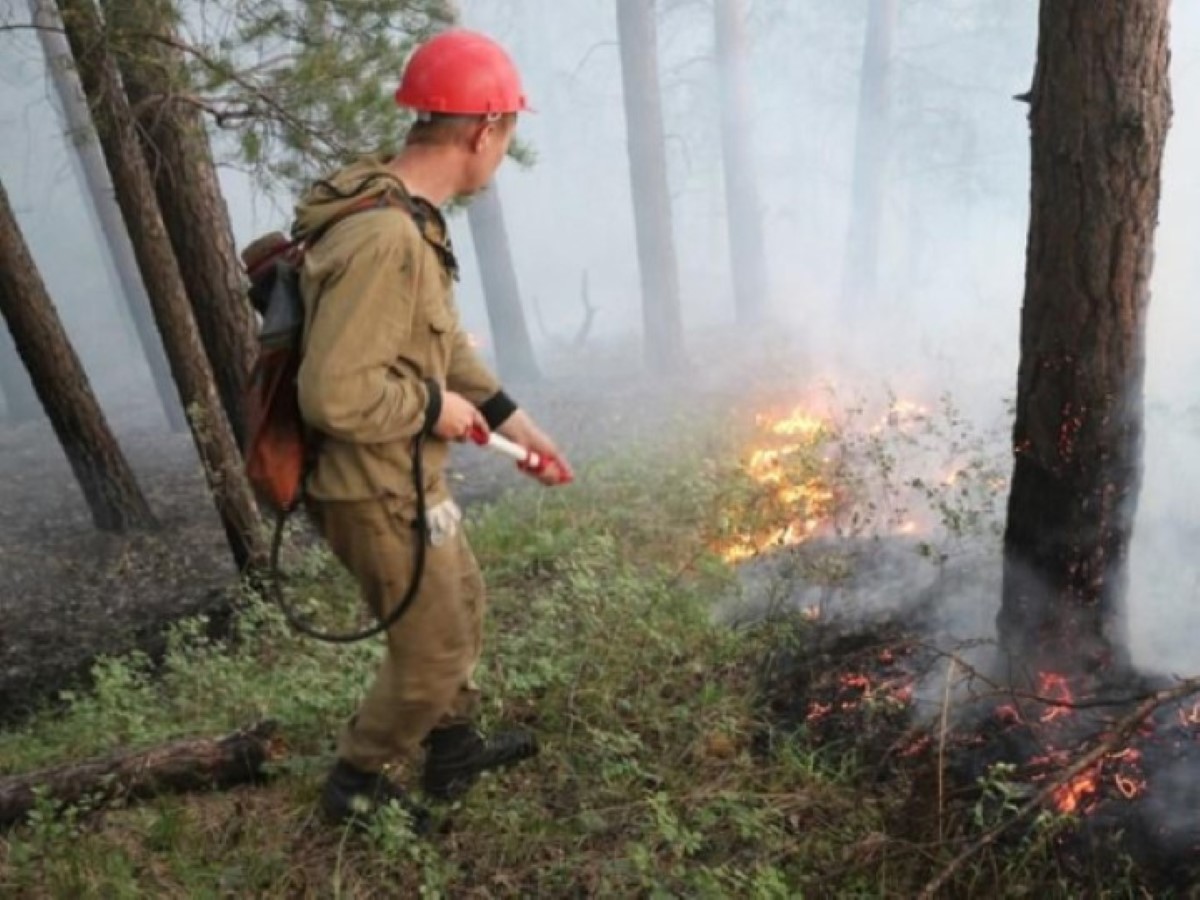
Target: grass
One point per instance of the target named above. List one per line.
(601, 637)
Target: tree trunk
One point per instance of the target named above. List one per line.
(177, 151)
(747, 256)
(190, 764)
(1100, 110)
(99, 466)
(510, 335)
(16, 390)
(661, 314)
(135, 193)
(860, 278)
(105, 214)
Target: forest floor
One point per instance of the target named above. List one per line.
(717, 633)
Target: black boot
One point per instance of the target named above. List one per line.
(459, 754)
(353, 796)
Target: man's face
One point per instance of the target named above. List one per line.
(489, 145)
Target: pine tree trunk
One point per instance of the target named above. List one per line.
(662, 319)
(748, 258)
(1100, 111)
(100, 468)
(860, 278)
(16, 390)
(106, 215)
(510, 334)
(135, 193)
(177, 151)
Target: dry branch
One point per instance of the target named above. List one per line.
(190, 764)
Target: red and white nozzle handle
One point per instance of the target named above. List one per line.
(527, 460)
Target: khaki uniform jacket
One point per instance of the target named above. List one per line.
(382, 340)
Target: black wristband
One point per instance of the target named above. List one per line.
(433, 406)
(497, 408)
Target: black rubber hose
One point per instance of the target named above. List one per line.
(383, 624)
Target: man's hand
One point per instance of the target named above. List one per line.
(521, 428)
(458, 417)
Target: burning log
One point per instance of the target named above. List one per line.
(190, 764)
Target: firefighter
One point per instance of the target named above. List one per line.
(387, 367)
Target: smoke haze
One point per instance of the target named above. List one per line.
(953, 243)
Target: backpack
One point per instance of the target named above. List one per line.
(280, 450)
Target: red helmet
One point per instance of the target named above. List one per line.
(462, 73)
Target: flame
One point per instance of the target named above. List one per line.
(811, 500)
(786, 459)
(1069, 797)
(798, 422)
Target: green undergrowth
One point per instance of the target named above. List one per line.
(650, 782)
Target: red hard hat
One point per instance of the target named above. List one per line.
(462, 73)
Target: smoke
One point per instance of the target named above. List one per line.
(953, 228)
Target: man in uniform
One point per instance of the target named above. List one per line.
(388, 373)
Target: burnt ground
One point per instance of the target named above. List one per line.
(69, 593)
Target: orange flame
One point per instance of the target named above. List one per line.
(1069, 797)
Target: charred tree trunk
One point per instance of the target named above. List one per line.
(103, 474)
(116, 129)
(860, 278)
(1100, 110)
(105, 213)
(662, 319)
(747, 256)
(177, 151)
(16, 390)
(510, 334)
(190, 764)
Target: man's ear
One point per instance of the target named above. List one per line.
(481, 135)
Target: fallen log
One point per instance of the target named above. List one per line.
(190, 764)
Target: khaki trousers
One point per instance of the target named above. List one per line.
(425, 680)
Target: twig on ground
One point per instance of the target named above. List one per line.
(941, 754)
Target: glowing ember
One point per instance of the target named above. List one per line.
(856, 681)
(1190, 716)
(1054, 687)
(1129, 787)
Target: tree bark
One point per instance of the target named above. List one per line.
(661, 315)
(62, 386)
(16, 390)
(1100, 111)
(191, 764)
(105, 213)
(510, 335)
(742, 203)
(860, 278)
(177, 151)
(135, 193)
